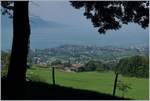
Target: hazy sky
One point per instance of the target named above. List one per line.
(59, 11)
(79, 31)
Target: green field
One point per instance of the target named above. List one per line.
(95, 81)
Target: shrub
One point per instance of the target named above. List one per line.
(124, 87)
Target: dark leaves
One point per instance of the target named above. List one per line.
(110, 15)
(7, 8)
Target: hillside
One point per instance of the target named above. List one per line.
(101, 82)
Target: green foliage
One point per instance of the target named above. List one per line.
(4, 72)
(67, 64)
(56, 62)
(134, 66)
(5, 58)
(95, 65)
(29, 62)
(124, 87)
(90, 66)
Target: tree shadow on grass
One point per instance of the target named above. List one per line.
(43, 91)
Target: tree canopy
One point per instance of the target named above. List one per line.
(95, 66)
(111, 15)
(7, 8)
(137, 66)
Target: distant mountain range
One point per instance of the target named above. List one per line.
(45, 34)
(35, 22)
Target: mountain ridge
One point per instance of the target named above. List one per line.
(35, 22)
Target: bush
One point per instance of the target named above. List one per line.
(124, 87)
(95, 66)
(4, 71)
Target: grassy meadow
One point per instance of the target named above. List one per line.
(94, 81)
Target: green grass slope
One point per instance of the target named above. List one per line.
(33, 90)
(94, 81)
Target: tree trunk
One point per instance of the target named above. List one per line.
(21, 33)
(115, 84)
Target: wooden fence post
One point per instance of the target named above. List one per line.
(53, 75)
(115, 83)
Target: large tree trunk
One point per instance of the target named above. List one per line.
(19, 52)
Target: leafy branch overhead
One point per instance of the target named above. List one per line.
(7, 8)
(110, 15)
